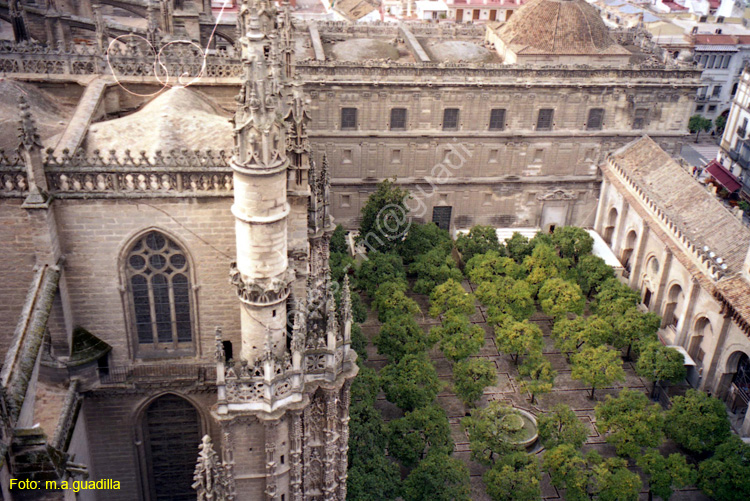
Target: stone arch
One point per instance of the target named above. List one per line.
(178, 285)
(674, 305)
(649, 277)
(609, 228)
(168, 429)
(702, 329)
(628, 247)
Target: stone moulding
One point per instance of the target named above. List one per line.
(261, 292)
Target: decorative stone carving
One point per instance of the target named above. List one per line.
(558, 194)
(212, 479)
(261, 291)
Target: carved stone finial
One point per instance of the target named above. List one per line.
(212, 479)
(28, 135)
(220, 355)
(346, 300)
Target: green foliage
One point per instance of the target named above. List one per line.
(612, 481)
(470, 378)
(384, 218)
(489, 432)
(433, 268)
(420, 431)
(726, 476)
(698, 124)
(373, 478)
(517, 338)
(377, 269)
(561, 426)
(490, 265)
(544, 263)
(506, 296)
(568, 470)
(572, 242)
(411, 383)
(340, 264)
(479, 240)
(720, 123)
(338, 241)
(359, 342)
(591, 272)
(401, 335)
(597, 366)
(614, 298)
(451, 297)
(697, 422)
(660, 363)
(558, 297)
(438, 477)
(391, 301)
(569, 334)
(632, 326)
(518, 247)
(516, 477)
(459, 338)
(666, 473)
(423, 238)
(365, 387)
(538, 375)
(631, 422)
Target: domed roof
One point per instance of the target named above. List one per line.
(177, 119)
(558, 27)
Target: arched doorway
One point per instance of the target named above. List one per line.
(672, 309)
(609, 229)
(627, 251)
(741, 379)
(701, 331)
(171, 432)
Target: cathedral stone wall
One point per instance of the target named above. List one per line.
(96, 234)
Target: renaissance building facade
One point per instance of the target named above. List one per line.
(135, 187)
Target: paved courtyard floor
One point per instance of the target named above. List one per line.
(566, 390)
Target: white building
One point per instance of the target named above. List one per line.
(431, 9)
(735, 146)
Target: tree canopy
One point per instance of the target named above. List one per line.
(697, 421)
(379, 268)
(515, 477)
(490, 432)
(479, 240)
(572, 242)
(666, 473)
(491, 265)
(438, 477)
(631, 422)
(597, 366)
(559, 297)
(458, 337)
(726, 475)
(537, 375)
(660, 363)
(561, 426)
(418, 432)
(391, 301)
(471, 376)
(591, 272)
(568, 470)
(422, 238)
(434, 268)
(517, 338)
(412, 382)
(385, 218)
(507, 296)
(451, 296)
(401, 335)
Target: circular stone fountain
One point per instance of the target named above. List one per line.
(519, 427)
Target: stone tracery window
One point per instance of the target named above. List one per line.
(159, 286)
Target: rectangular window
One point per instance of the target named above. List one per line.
(544, 120)
(450, 119)
(700, 107)
(346, 156)
(497, 119)
(348, 118)
(398, 119)
(717, 90)
(712, 107)
(596, 119)
(395, 156)
(493, 157)
(711, 60)
(725, 63)
(639, 119)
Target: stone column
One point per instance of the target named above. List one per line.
(692, 298)
(637, 258)
(663, 277)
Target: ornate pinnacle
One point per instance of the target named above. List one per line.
(28, 135)
(212, 479)
(346, 300)
(219, 353)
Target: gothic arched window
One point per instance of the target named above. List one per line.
(159, 285)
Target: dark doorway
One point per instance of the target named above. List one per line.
(647, 298)
(441, 216)
(172, 434)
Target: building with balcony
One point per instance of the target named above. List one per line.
(735, 143)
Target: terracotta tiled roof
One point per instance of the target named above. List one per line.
(736, 292)
(695, 212)
(558, 27)
(716, 40)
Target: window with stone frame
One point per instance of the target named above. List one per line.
(639, 118)
(348, 118)
(596, 119)
(158, 277)
(398, 119)
(497, 119)
(544, 119)
(450, 119)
